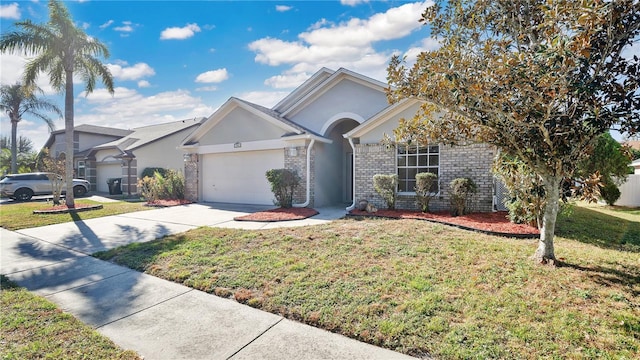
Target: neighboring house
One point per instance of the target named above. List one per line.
(85, 138)
(126, 153)
(636, 166)
(329, 130)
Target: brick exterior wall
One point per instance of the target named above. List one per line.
(130, 176)
(473, 161)
(191, 177)
(298, 163)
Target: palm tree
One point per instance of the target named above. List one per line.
(60, 49)
(16, 101)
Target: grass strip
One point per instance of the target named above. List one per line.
(31, 327)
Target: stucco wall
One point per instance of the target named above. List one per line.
(241, 125)
(345, 97)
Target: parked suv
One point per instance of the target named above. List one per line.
(23, 186)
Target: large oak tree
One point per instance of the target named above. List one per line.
(61, 49)
(539, 79)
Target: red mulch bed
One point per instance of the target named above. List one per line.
(495, 223)
(60, 209)
(279, 214)
(167, 203)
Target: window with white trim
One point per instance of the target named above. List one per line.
(81, 169)
(412, 160)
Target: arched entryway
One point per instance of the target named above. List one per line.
(334, 166)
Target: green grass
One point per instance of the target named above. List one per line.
(16, 216)
(33, 328)
(423, 288)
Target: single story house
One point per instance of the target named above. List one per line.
(329, 130)
(103, 153)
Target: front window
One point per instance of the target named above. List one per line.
(81, 170)
(416, 159)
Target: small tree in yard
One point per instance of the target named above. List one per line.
(460, 192)
(385, 186)
(425, 183)
(283, 184)
(540, 80)
(55, 173)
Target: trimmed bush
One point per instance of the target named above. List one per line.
(610, 193)
(424, 189)
(385, 186)
(283, 184)
(460, 191)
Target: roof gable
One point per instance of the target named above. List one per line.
(268, 115)
(393, 111)
(326, 85)
(306, 87)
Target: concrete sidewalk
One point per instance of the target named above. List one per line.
(157, 318)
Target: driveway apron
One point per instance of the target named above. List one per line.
(157, 318)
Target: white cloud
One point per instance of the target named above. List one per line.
(427, 44)
(207, 88)
(178, 33)
(13, 68)
(10, 11)
(632, 50)
(85, 25)
(124, 28)
(213, 76)
(353, 2)
(283, 8)
(143, 84)
(135, 72)
(264, 98)
(348, 44)
(106, 25)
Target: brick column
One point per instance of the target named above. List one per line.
(191, 177)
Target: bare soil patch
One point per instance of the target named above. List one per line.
(279, 214)
(61, 209)
(495, 223)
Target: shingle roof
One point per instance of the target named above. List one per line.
(276, 115)
(148, 134)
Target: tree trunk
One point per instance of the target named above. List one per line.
(545, 252)
(68, 134)
(14, 146)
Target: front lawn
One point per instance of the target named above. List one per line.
(16, 216)
(33, 328)
(423, 288)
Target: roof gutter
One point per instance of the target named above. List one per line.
(308, 195)
(353, 172)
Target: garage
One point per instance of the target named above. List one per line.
(239, 177)
(106, 171)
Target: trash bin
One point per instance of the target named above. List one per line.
(114, 186)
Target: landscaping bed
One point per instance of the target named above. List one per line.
(279, 214)
(167, 203)
(493, 223)
(63, 209)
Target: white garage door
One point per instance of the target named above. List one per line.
(107, 171)
(239, 177)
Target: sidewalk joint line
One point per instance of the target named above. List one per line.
(254, 339)
(144, 309)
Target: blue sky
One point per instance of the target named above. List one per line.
(173, 60)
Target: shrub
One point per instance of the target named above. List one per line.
(169, 186)
(151, 171)
(460, 191)
(610, 193)
(526, 193)
(385, 186)
(424, 189)
(283, 184)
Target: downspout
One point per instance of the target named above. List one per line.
(353, 175)
(308, 195)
